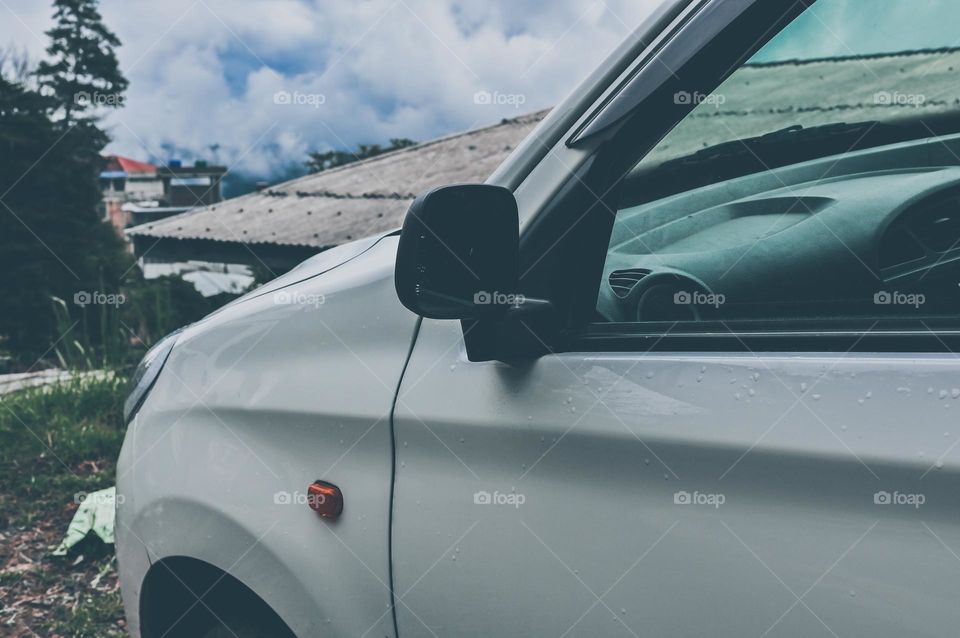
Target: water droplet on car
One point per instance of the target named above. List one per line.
(816, 397)
(803, 387)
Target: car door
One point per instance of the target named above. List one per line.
(751, 429)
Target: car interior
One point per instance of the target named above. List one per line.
(875, 232)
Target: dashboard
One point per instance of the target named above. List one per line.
(825, 238)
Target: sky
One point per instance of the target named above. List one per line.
(256, 84)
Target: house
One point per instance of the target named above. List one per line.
(136, 192)
(280, 226)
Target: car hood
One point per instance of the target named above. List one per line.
(314, 266)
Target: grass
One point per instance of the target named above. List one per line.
(55, 442)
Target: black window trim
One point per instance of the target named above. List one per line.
(580, 219)
(821, 336)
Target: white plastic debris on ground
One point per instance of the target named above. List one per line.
(96, 514)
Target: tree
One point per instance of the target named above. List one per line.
(83, 72)
(319, 162)
(52, 240)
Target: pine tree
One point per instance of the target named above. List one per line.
(52, 241)
(83, 71)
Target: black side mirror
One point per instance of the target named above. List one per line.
(458, 256)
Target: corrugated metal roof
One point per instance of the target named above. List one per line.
(364, 198)
(348, 202)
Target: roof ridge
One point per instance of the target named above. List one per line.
(849, 58)
(520, 119)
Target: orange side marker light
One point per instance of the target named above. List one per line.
(325, 499)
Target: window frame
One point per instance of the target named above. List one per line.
(563, 251)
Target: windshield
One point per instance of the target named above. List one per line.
(845, 75)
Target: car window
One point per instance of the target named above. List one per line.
(820, 181)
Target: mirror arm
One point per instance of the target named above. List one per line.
(529, 307)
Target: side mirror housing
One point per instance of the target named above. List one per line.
(458, 256)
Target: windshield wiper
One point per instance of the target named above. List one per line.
(788, 141)
(784, 147)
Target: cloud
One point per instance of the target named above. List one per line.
(206, 72)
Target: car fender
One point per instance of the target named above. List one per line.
(254, 404)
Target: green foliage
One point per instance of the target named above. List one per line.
(76, 420)
(52, 242)
(48, 433)
(154, 308)
(82, 72)
(56, 442)
(319, 162)
(54, 249)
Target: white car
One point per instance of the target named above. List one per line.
(684, 366)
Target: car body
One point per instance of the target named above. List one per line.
(577, 460)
